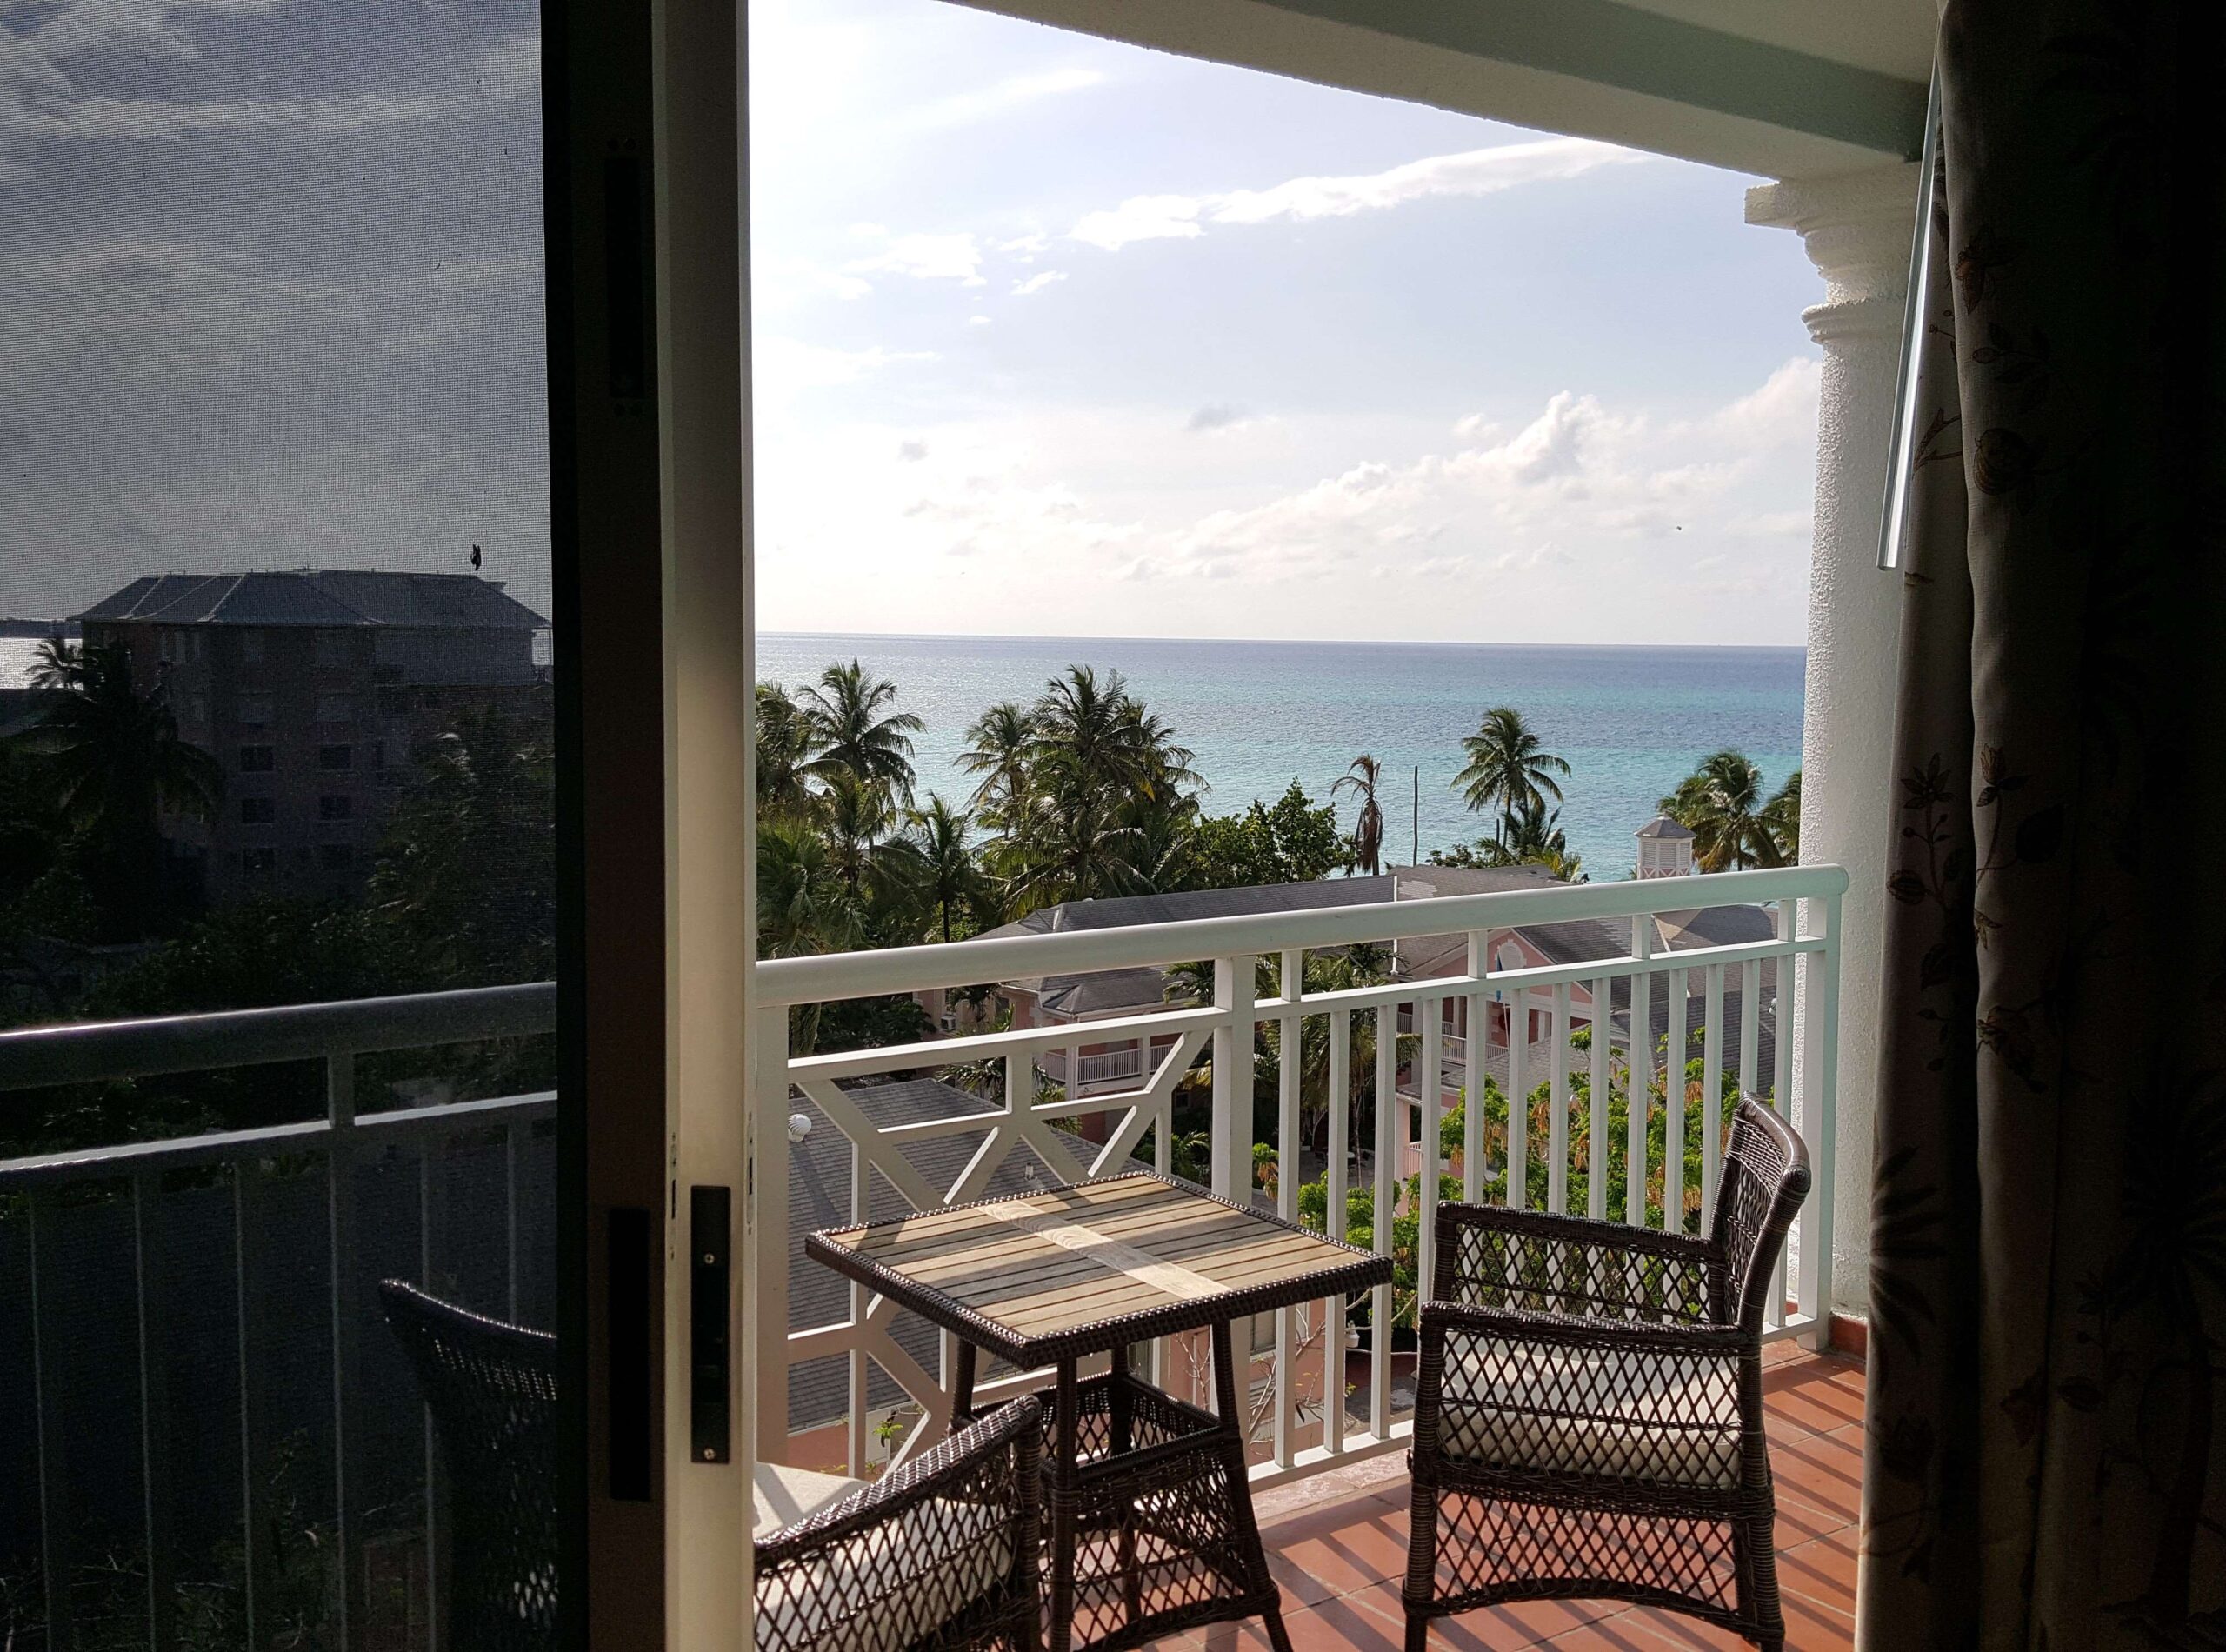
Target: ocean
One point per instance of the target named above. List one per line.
(1632, 722)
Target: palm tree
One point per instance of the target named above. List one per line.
(1086, 722)
(855, 818)
(1162, 776)
(56, 663)
(783, 739)
(1361, 779)
(937, 861)
(1073, 845)
(1534, 838)
(1781, 816)
(1509, 769)
(804, 906)
(850, 733)
(1720, 804)
(115, 765)
(997, 748)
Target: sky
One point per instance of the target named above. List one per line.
(1051, 336)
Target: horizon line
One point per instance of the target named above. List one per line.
(1288, 642)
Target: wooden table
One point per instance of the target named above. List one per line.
(1148, 1501)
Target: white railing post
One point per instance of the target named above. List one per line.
(1639, 1082)
(1820, 1124)
(1390, 1144)
(1232, 1123)
(766, 1233)
(1291, 1033)
(1340, 1101)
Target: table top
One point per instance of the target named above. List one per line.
(1086, 1268)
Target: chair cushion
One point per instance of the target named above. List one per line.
(1671, 1421)
(782, 1495)
(890, 1585)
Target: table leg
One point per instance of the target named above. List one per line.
(1122, 1422)
(1065, 1501)
(1240, 1487)
(962, 1387)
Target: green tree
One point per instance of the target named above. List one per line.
(466, 870)
(783, 747)
(1782, 818)
(936, 860)
(850, 728)
(1530, 836)
(112, 762)
(1361, 778)
(1720, 804)
(58, 663)
(1509, 769)
(997, 749)
(1292, 840)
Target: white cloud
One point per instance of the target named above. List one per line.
(1035, 283)
(40, 100)
(926, 258)
(1216, 416)
(1470, 172)
(781, 367)
(977, 321)
(986, 103)
(1140, 217)
(1782, 409)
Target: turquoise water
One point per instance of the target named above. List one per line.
(1631, 721)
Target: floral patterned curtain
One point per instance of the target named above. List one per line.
(2047, 1457)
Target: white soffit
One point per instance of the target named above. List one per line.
(1775, 87)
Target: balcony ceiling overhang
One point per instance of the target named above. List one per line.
(1777, 87)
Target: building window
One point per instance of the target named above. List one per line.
(336, 857)
(200, 643)
(254, 711)
(259, 862)
(396, 702)
(332, 648)
(196, 707)
(258, 760)
(251, 647)
(334, 808)
(335, 708)
(336, 757)
(258, 811)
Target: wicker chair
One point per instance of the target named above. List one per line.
(1588, 1423)
(492, 1390)
(937, 1556)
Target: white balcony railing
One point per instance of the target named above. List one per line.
(267, 1243)
(219, 1427)
(1646, 989)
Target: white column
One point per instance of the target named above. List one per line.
(1856, 227)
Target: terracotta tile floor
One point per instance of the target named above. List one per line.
(1340, 1562)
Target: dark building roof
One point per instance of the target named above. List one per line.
(819, 1196)
(318, 597)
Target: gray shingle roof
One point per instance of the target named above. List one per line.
(1663, 826)
(318, 597)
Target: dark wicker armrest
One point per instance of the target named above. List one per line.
(956, 1531)
(1492, 1257)
(1582, 1333)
